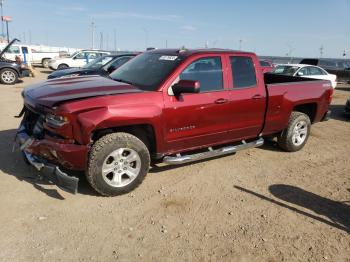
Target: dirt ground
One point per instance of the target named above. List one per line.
(257, 205)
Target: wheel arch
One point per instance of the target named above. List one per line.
(144, 132)
(310, 109)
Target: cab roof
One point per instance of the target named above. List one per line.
(189, 52)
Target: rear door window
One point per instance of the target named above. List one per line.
(243, 71)
(315, 71)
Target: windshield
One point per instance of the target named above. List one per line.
(285, 70)
(146, 71)
(98, 63)
(76, 52)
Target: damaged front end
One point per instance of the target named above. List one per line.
(47, 151)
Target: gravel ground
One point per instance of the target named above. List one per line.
(257, 205)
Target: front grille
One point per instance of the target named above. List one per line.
(33, 123)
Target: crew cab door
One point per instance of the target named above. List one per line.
(247, 95)
(200, 119)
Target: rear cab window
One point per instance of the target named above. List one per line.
(243, 72)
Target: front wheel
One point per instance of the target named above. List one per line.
(8, 76)
(62, 66)
(294, 137)
(45, 62)
(118, 163)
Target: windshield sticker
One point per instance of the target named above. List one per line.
(168, 58)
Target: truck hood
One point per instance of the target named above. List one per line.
(55, 91)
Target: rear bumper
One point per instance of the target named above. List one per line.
(47, 156)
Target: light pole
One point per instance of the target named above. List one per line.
(115, 39)
(2, 14)
(93, 34)
(240, 44)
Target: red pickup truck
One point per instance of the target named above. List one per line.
(171, 106)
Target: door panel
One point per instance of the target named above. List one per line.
(195, 120)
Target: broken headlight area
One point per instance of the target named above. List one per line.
(56, 121)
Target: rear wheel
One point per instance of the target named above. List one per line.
(8, 76)
(294, 137)
(118, 163)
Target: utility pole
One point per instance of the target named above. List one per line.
(30, 37)
(107, 40)
(321, 51)
(92, 34)
(166, 43)
(115, 39)
(2, 14)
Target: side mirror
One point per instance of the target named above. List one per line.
(186, 86)
(300, 74)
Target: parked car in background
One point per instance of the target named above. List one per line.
(347, 107)
(266, 66)
(102, 66)
(170, 106)
(10, 70)
(305, 71)
(340, 68)
(77, 59)
(30, 55)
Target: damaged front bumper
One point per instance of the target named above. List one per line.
(54, 174)
(47, 169)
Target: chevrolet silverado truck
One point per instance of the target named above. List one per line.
(170, 106)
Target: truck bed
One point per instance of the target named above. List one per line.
(285, 93)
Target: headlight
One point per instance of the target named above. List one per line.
(56, 121)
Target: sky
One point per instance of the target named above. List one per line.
(269, 27)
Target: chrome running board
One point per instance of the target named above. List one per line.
(179, 159)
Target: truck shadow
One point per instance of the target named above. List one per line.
(12, 163)
(338, 113)
(338, 213)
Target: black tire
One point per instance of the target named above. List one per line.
(45, 62)
(62, 66)
(286, 139)
(100, 152)
(8, 76)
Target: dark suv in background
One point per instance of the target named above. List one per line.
(340, 68)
